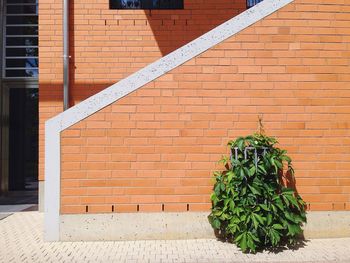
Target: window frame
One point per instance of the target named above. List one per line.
(5, 36)
(251, 3)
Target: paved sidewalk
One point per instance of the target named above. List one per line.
(21, 240)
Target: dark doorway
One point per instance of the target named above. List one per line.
(23, 133)
(18, 104)
(19, 148)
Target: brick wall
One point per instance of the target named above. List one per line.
(155, 149)
(108, 45)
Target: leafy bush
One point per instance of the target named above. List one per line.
(251, 206)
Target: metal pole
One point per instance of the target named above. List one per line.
(2, 119)
(66, 54)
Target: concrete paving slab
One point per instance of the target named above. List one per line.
(4, 215)
(21, 240)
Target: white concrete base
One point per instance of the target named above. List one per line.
(167, 226)
(41, 196)
(332, 224)
(135, 226)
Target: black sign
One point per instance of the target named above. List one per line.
(146, 4)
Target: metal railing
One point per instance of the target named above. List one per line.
(235, 153)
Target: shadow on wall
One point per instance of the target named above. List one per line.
(156, 34)
(164, 32)
(175, 28)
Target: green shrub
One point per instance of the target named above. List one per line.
(251, 206)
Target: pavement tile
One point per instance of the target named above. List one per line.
(21, 240)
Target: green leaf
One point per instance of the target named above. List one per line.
(240, 143)
(259, 218)
(262, 169)
(277, 226)
(269, 219)
(217, 213)
(232, 205)
(286, 158)
(216, 223)
(222, 186)
(224, 216)
(235, 220)
(285, 199)
(255, 221)
(255, 238)
(294, 201)
(254, 191)
(263, 206)
(243, 242)
(233, 228)
(217, 189)
(250, 243)
(243, 217)
(224, 160)
(287, 191)
(230, 175)
(239, 237)
(241, 172)
(274, 209)
(246, 171)
(294, 229)
(252, 170)
(291, 217)
(275, 237)
(226, 202)
(217, 174)
(278, 163)
(279, 204)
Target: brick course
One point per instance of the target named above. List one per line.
(108, 45)
(155, 149)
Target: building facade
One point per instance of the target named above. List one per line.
(157, 88)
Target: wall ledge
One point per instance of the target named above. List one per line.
(186, 225)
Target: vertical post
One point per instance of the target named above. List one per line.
(52, 180)
(65, 54)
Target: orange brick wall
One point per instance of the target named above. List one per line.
(156, 148)
(108, 45)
